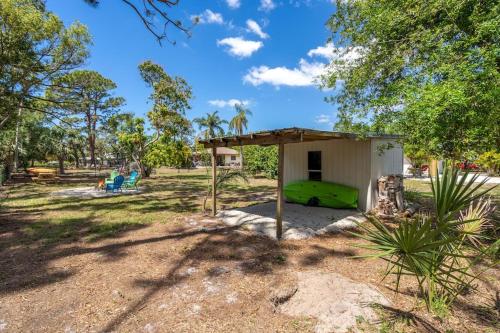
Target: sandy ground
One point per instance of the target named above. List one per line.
(194, 275)
(336, 301)
(299, 222)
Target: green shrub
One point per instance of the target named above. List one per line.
(490, 161)
(261, 160)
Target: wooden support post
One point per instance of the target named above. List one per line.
(279, 203)
(214, 181)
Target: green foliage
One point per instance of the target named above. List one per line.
(170, 97)
(262, 159)
(36, 48)
(174, 154)
(86, 94)
(168, 146)
(431, 248)
(211, 125)
(490, 161)
(204, 156)
(426, 69)
(416, 154)
(239, 122)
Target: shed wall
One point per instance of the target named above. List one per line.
(344, 161)
(384, 162)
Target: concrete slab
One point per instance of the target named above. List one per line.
(299, 222)
(91, 192)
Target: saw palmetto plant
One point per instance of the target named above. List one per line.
(477, 221)
(431, 248)
(224, 177)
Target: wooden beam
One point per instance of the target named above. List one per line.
(280, 199)
(261, 141)
(214, 181)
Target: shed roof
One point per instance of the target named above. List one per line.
(286, 135)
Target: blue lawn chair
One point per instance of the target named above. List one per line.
(131, 182)
(117, 184)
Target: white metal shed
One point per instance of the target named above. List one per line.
(344, 158)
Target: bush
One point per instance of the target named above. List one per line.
(261, 160)
(432, 248)
(490, 161)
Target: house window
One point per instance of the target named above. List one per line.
(233, 158)
(314, 165)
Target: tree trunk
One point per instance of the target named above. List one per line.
(61, 164)
(16, 145)
(145, 171)
(77, 161)
(92, 148)
(84, 158)
(241, 156)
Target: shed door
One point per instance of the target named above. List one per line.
(314, 165)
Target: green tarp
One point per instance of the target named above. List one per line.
(324, 194)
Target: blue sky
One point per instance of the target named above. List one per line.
(263, 52)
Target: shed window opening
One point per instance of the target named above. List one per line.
(233, 158)
(314, 165)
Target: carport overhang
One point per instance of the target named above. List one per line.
(278, 137)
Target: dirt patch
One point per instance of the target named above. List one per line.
(336, 301)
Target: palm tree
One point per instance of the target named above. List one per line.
(239, 123)
(211, 125)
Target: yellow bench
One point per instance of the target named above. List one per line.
(44, 171)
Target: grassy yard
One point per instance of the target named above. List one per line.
(166, 196)
(421, 192)
(152, 262)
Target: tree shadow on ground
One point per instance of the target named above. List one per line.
(247, 253)
(320, 253)
(393, 315)
(485, 313)
(26, 247)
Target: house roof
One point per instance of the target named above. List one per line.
(226, 151)
(286, 135)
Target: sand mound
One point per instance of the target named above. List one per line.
(336, 301)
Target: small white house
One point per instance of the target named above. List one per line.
(228, 157)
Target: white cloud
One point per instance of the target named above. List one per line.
(208, 17)
(240, 47)
(326, 51)
(256, 29)
(325, 119)
(267, 5)
(330, 52)
(228, 103)
(233, 4)
(308, 72)
(304, 75)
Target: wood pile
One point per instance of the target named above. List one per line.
(390, 196)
